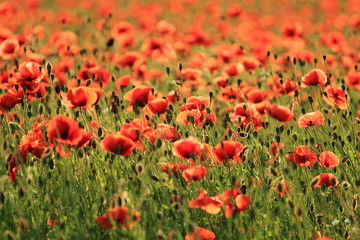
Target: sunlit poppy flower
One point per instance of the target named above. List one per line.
(166, 132)
(122, 29)
(10, 99)
(335, 97)
(281, 113)
(220, 81)
(122, 81)
(250, 63)
(138, 96)
(30, 76)
(199, 233)
(283, 86)
(198, 36)
(128, 59)
(194, 173)
(328, 159)
(82, 97)
(292, 30)
(154, 47)
(121, 216)
(193, 116)
(302, 156)
(229, 150)
(242, 202)
(65, 130)
(210, 205)
(243, 111)
(164, 27)
(85, 139)
(158, 105)
(9, 48)
(135, 130)
(314, 77)
(187, 148)
(233, 69)
(174, 167)
(33, 142)
(200, 103)
(311, 119)
(117, 143)
(353, 80)
(326, 179)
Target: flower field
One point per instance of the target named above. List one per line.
(187, 119)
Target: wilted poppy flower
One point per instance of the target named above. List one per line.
(8, 48)
(281, 113)
(82, 97)
(199, 233)
(121, 216)
(194, 173)
(311, 119)
(327, 179)
(302, 156)
(335, 97)
(210, 205)
(65, 130)
(187, 148)
(328, 159)
(158, 105)
(315, 77)
(229, 150)
(117, 143)
(138, 96)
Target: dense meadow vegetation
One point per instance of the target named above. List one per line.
(183, 119)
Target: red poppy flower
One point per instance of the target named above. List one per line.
(174, 167)
(199, 103)
(210, 205)
(302, 156)
(335, 97)
(187, 148)
(122, 81)
(135, 130)
(242, 202)
(8, 48)
(353, 80)
(83, 97)
(199, 233)
(166, 132)
(154, 47)
(117, 143)
(311, 119)
(315, 77)
(281, 113)
(65, 130)
(30, 76)
(194, 173)
(327, 179)
(10, 99)
(221, 81)
(228, 150)
(121, 217)
(138, 96)
(158, 105)
(328, 159)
